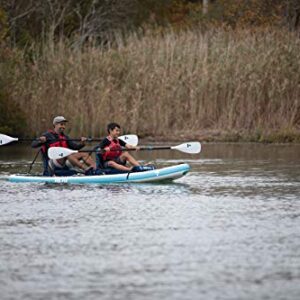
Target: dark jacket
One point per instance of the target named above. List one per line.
(51, 139)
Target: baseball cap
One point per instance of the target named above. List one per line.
(59, 119)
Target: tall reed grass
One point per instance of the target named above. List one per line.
(243, 82)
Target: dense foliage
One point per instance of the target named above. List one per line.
(28, 21)
(50, 47)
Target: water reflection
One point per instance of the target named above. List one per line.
(106, 190)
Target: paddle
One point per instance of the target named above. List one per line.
(190, 147)
(131, 139)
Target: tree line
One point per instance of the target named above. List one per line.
(23, 22)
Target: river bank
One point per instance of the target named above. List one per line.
(216, 136)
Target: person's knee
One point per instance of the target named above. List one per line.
(125, 156)
(73, 157)
(85, 155)
(111, 163)
(78, 156)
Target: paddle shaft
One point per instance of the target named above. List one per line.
(190, 148)
(54, 140)
(143, 148)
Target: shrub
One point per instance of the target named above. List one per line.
(12, 119)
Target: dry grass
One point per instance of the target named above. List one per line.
(246, 82)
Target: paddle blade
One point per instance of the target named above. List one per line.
(190, 147)
(59, 152)
(130, 139)
(5, 139)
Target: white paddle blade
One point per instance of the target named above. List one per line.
(59, 152)
(5, 139)
(191, 147)
(130, 139)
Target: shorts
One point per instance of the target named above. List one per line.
(116, 160)
(55, 164)
(57, 169)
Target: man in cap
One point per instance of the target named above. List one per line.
(56, 137)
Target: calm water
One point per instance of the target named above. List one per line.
(228, 230)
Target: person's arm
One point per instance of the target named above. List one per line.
(128, 146)
(76, 146)
(40, 141)
(104, 144)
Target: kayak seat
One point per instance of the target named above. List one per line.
(143, 168)
(91, 171)
(111, 171)
(63, 172)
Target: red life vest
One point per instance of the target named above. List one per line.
(59, 140)
(115, 149)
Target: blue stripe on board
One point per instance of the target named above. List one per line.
(167, 173)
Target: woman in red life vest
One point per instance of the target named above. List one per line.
(114, 156)
(57, 138)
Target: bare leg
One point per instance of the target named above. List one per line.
(86, 157)
(117, 166)
(125, 156)
(75, 160)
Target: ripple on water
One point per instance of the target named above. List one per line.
(227, 230)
